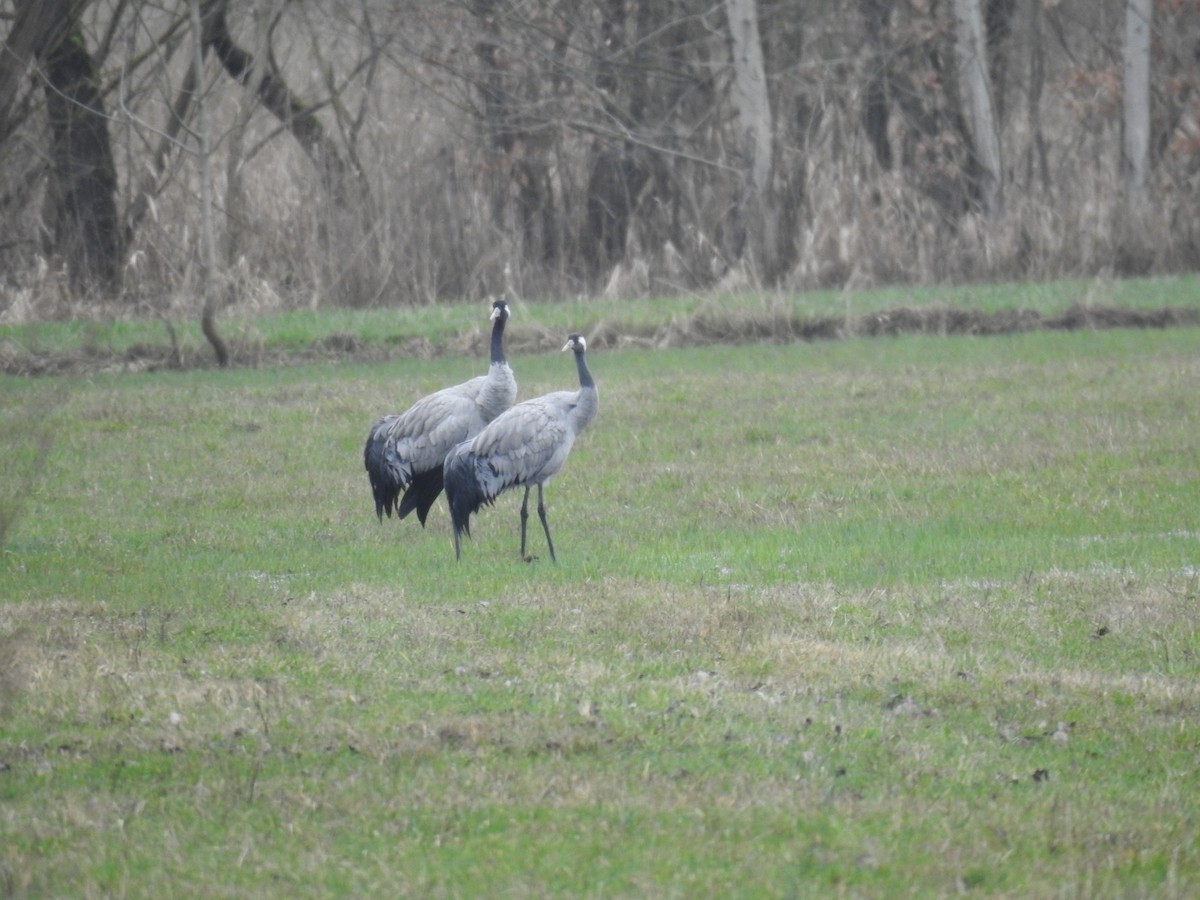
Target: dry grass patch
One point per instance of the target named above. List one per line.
(98, 681)
(655, 717)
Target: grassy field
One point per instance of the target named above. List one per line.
(872, 617)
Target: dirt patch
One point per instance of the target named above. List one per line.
(700, 329)
(1076, 318)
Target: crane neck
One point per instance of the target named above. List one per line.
(585, 375)
(587, 400)
(498, 339)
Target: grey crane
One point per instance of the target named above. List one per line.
(524, 446)
(405, 451)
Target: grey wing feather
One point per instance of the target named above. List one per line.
(526, 445)
(433, 425)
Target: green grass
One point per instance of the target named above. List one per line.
(855, 618)
(440, 326)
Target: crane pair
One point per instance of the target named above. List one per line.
(471, 440)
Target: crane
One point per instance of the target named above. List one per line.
(524, 446)
(405, 451)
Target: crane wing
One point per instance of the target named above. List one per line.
(425, 433)
(526, 445)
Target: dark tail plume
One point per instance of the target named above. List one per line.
(421, 494)
(463, 493)
(388, 473)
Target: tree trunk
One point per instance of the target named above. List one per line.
(616, 177)
(976, 88)
(1037, 168)
(875, 15)
(1137, 97)
(613, 186)
(755, 133)
(208, 248)
(519, 151)
(997, 23)
(750, 91)
(38, 26)
(81, 198)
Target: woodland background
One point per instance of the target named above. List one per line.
(159, 157)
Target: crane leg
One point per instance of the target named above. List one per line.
(524, 522)
(545, 524)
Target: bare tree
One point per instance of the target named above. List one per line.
(577, 145)
(80, 203)
(755, 132)
(208, 248)
(276, 97)
(1136, 95)
(235, 204)
(37, 26)
(516, 134)
(150, 180)
(1037, 167)
(875, 15)
(976, 85)
(750, 98)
